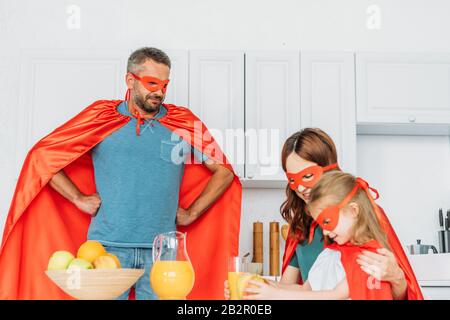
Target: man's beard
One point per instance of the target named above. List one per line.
(146, 106)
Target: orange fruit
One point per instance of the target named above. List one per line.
(105, 262)
(243, 283)
(91, 250)
(115, 259)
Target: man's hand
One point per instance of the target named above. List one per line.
(88, 204)
(185, 217)
(220, 180)
(64, 186)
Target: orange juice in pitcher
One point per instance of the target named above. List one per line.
(172, 275)
(172, 279)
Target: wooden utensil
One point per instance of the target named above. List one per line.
(284, 231)
(258, 252)
(274, 249)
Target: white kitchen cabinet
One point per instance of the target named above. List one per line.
(216, 96)
(272, 111)
(410, 91)
(328, 100)
(55, 85)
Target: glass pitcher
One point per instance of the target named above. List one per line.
(172, 276)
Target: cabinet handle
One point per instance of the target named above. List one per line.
(412, 119)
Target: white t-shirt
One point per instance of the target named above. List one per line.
(327, 271)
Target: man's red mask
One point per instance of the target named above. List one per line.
(152, 84)
(328, 219)
(308, 177)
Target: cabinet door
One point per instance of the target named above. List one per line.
(55, 85)
(328, 100)
(403, 88)
(272, 110)
(216, 96)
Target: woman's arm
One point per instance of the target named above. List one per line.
(290, 276)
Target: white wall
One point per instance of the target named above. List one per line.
(406, 25)
(412, 174)
(330, 25)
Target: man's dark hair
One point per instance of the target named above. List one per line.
(139, 56)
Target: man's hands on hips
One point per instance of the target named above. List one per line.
(185, 217)
(88, 204)
(220, 180)
(64, 186)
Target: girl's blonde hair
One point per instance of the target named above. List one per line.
(335, 186)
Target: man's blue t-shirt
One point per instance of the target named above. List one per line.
(138, 179)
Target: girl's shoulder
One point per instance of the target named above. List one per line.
(329, 259)
(327, 271)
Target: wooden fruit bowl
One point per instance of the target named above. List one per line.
(95, 284)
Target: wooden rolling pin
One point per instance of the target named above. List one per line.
(258, 252)
(274, 269)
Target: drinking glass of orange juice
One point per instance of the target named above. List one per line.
(172, 276)
(236, 268)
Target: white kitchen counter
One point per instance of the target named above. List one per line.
(431, 268)
(433, 274)
(435, 283)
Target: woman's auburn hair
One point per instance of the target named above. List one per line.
(333, 187)
(313, 145)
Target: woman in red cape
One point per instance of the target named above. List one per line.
(41, 221)
(314, 147)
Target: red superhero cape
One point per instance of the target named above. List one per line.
(41, 221)
(413, 291)
(361, 285)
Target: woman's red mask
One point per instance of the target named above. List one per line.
(308, 177)
(328, 219)
(152, 84)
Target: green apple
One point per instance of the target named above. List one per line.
(80, 264)
(60, 260)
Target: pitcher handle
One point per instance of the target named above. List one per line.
(156, 248)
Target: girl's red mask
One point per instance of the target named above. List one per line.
(152, 84)
(308, 177)
(328, 219)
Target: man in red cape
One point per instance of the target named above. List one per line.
(42, 221)
(356, 276)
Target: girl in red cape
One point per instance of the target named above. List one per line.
(343, 207)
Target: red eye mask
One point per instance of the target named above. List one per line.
(329, 217)
(301, 178)
(152, 84)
